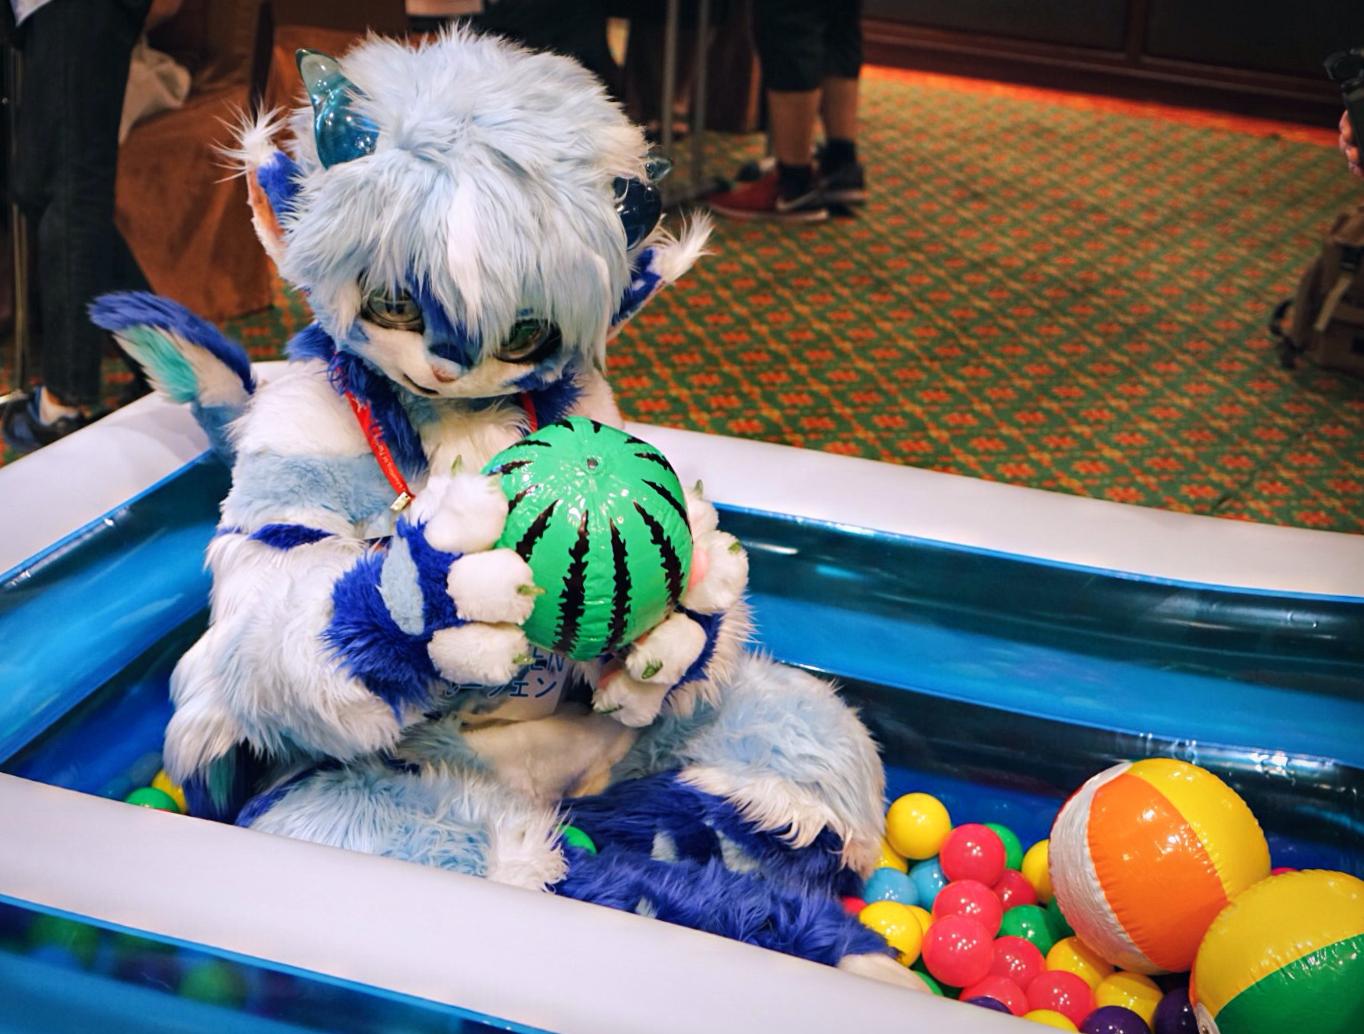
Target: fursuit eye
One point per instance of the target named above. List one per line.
(395, 309)
(530, 341)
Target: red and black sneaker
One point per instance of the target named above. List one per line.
(762, 199)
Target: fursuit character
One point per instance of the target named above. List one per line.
(471, 223)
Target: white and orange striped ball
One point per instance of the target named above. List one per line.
(1145, 855)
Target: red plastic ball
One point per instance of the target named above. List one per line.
(853, 905)
(1280, 870)
(1063, 992)
(971, 899)
(957, 951)
(973, 852)
(1018, 959)
(1013, 889)
(1001, 989)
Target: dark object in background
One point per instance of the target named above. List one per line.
(1346, 68)
(1325, 319)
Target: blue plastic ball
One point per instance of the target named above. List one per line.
(986, 1002)
(928, 880)
(890, 885)
(1114, 1019)
(1174, 1014)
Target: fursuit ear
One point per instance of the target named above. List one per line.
(272, 177)
(662, 262)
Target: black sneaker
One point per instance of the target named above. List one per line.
(845, 185)
(24, 432)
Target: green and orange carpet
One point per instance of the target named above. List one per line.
(1044, 289)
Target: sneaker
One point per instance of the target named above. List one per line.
(24, 432)
(846, 185)
(762, 200)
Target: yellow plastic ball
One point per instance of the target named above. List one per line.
(898, 925)
(924, 916)
(1075, 956)
(890, 858)
(163, 783)
(1050, 1018)
(916, 825)
(1035, 870)
(1131, 991)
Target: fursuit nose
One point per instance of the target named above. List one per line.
(442, 377)
(342, 134)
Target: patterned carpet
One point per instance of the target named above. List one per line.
(1043, 290)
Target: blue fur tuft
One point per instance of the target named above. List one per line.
(312, 342)
(433, 568)
(287, 536)
(127, 310)
(555, 400)
(644, 282)
(280, 178)
(219, 789)
(349, 372)
(708, 897)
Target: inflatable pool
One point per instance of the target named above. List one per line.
(1003, 644)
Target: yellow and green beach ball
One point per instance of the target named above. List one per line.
(1287, 954)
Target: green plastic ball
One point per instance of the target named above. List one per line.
(577, 838)
(214, 981)
(151, 797)
(1013, 847)
(933, 985)
(80, 939)
(1031, 923)
(1060, 926)
(601, 519)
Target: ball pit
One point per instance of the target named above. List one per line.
(1144, 856)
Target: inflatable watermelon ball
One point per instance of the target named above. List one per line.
(1287, 954)
(1146, 854)
(601, 519)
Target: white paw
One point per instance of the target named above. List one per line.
(632, 703)
(723, 577)
(882, 968)
(663, 654)
(701, 514)
(479, 654)
(495, 586)
(463, 513)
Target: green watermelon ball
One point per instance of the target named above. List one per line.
(600, 517)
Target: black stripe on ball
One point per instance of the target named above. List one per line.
(515, 500)
(654, 457)
(509, 466)
(672, 565)
(526, 546)
(672, 500)
(620, 591)
(575, 591)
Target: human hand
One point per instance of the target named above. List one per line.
(1349, 146)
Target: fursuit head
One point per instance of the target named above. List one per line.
(471, 223)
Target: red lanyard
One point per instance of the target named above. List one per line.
(374, 435)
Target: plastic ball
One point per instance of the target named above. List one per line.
(1056, 919)
(890, 885)
(56, 937)
(1034, 869)
(1018, 960)
(958, 951)
(973, 852)
(1280, 870)
(150, 797)
(1062, 992)
(604, 531)
(1013, 847)
(1000, 989)
(1075, 956)
(1013, 889)
(924, 916)
(1030, 923)
(1050, 1018)
(1132, 991)
(971, 899)
(891, 858)
(852, 905)
(1288, 950)
(986, 1002)
(214, 981)
(928, 881)
(917, 824)
(897, 925)
(933, 985)
(163, 782)
(1144, 856)
(1174, 1014)
(1114, 1019)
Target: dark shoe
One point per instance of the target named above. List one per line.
(24, 432)
(762, 199)
(845, 185)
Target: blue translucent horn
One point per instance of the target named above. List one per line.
(341, 133)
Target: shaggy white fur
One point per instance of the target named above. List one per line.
(463, 513)
(663, 654)
(478, 654)
(496, 586)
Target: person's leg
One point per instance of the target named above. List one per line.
(841, 176)
(70, 115)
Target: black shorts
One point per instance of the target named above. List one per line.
(802, 41)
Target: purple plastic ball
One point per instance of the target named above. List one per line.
(1114, 1019)
(1174, 1014)
(986, 1002)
